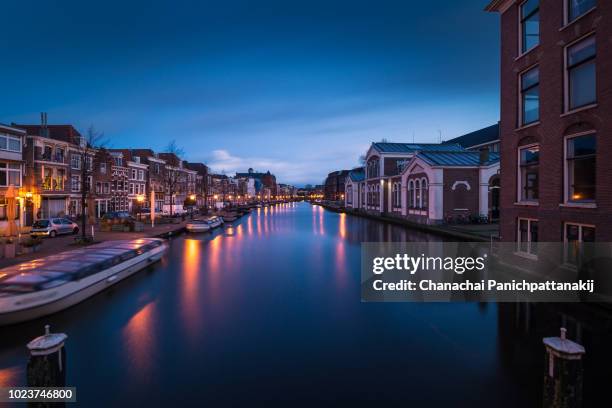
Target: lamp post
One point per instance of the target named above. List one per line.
(192, 198)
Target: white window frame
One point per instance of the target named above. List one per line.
(14, 138)
(8, 170)
(565, 241)
(519, 179)
(520, 95)
(520, 30)
(529, 241)
(566, 93)
(72, 180)
(75, 161)
(424, 190)
(566, 16)
(566, 188)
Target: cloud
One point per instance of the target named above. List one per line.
(301, 171)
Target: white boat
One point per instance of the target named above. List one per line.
(48, 285)
(197, 226)
(214, 221)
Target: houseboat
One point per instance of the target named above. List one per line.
(48, 285)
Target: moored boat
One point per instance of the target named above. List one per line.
(214, 221)
(198, 226)
(48, 285)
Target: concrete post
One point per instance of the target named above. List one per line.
(47, 364)
(563, 372)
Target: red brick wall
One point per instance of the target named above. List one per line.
(549, 133)
(451, 197)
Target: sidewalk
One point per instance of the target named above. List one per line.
(66, 242)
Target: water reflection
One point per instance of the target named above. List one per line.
(139, 340)
(257, 310)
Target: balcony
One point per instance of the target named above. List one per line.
(49, 157)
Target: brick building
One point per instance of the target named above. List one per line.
(334, 185)
(556, 111)
(12, 141)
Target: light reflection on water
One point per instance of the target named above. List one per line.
(268, 309)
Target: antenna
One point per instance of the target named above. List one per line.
(439, 136)
(413, 137)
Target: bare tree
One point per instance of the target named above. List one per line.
(88, 147)
(172, 174)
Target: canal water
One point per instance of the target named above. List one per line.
(268, 312)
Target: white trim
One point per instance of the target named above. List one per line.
(520, 29)
(566, 22)
(459, 182)
(566, 101)
(519, 180)
(529, 240)
(566, 201)
(520, 123)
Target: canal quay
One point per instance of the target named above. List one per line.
(267, 312)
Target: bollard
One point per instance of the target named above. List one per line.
(563, 372)
(47, 364)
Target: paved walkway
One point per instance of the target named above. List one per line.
(66, 242)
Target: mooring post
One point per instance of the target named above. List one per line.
(563, 372)
(47, 364)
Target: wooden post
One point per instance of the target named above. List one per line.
(47, 364)
(563, 372)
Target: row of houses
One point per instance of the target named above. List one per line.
(542, 172)
(53, 169)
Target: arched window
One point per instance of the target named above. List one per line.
(425, 195)
(411, 194)
(417, 197)
(398, 195)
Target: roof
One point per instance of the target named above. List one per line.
(413, 147)
(495, 5)
(478, 137)
(65, 133)
(357, 174)
(457, 159)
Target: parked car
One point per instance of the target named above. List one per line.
(53, 226)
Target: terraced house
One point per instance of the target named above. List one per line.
(12, 140)
(556, 121)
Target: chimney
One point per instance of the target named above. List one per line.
(484, 155)
(43, 124)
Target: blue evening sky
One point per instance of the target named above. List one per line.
(297, 87)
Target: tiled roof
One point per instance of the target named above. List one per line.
(414, 147)
(457, 159)
(357, 174)
(478, 137)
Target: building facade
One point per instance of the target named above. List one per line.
(12, 167)
(556, 108)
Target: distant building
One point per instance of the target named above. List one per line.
(354, 190)
(334, 185)
(485, 138)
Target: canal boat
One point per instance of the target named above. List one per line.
(214, 221)
(198, 226)
(48, 285)
(230, 216)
